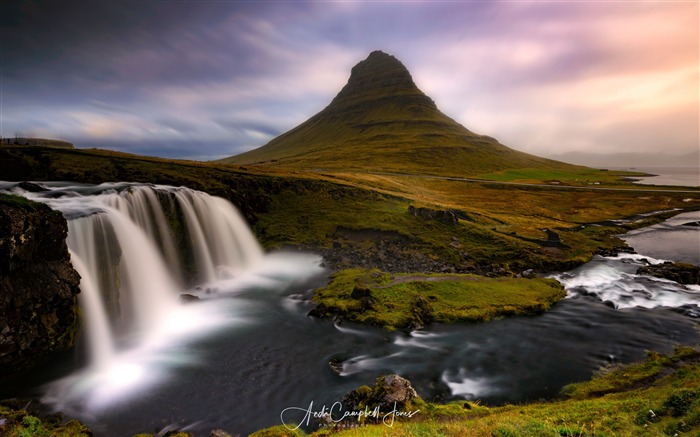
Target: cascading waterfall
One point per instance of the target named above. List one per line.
(127, 228)
(101, 340)
(219, 247)
(133, 266)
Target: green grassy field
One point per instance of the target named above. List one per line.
(411, 300)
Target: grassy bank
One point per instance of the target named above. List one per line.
(415, 300)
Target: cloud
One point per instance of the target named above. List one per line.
(223, 77)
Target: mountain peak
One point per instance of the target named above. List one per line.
(381, 122)
(381, 74)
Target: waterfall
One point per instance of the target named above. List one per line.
(137, 247)
(101, 342)
(133, 265)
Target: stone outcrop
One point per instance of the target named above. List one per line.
(443, 216)
(682, 273)
(38, 285)
(390, 392)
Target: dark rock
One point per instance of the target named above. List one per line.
(609, 303)
(359, 292)
(691, 224)
(447, 217)
(421, 313)
(682, 273)
(388, 393)
(38, 285)
(615, 251)
(31, 187)
(186, 297)
(322, 311)
(219, 433)
(336, 366)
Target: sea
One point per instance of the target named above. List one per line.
(676, 176)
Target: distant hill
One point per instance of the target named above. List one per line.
(381, 122)
(40, 142)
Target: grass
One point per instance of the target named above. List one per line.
(500, 227)
(410, 301)
(569, 176)
(19, 201)
(18, 422)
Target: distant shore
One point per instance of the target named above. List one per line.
(675, 176)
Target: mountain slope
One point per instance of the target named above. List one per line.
(381, 122)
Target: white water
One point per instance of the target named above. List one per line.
(614, 280)
(101, 343)
(132, 272)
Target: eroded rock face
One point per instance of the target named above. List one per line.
(38, 285)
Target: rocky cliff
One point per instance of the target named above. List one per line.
(38, 286)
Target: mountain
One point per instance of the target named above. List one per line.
(381, 122)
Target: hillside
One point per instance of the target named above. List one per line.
(38, 142)
(381, 122)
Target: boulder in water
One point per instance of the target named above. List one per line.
(186, 298)
(31, 187)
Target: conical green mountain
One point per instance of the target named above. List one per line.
(381, 122)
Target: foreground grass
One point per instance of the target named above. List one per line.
(18, 422)
(414, 300)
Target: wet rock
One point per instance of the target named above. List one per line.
(38, 285)
(682, 273)
(615, 251)
(186, 297)
(336, 366)
(31, 187)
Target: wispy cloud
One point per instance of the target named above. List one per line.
(217, 78)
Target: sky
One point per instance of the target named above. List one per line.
(209, 79)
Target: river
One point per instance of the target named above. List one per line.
(253, 351)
